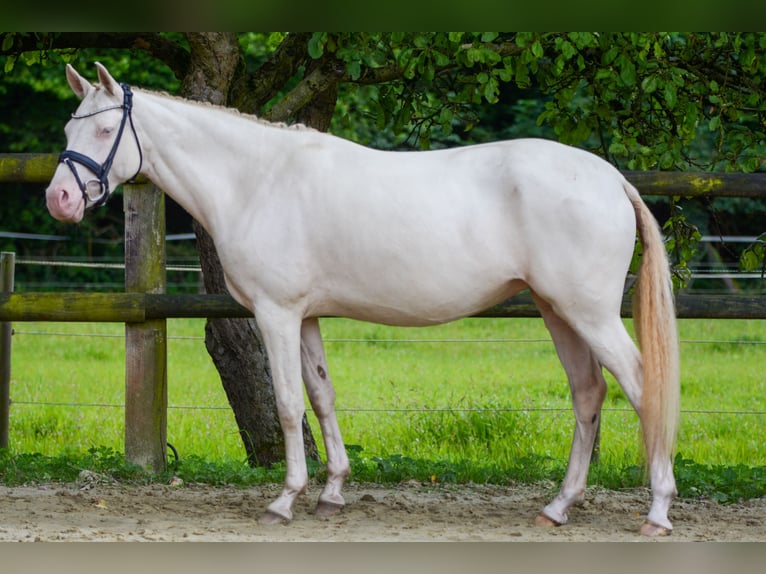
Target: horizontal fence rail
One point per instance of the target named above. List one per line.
(140, 307)
(31, 167)
(38, 168)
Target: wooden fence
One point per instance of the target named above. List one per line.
(144, 307)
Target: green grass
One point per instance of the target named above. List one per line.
(442, 411)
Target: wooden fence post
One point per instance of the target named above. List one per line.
(145, 343)
(7, 263)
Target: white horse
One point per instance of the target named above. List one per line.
(309, 225)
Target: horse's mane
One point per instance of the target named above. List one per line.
(231, 111)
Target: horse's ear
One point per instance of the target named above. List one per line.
(107, 81)
(80, 86)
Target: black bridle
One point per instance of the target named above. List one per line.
(95, 192)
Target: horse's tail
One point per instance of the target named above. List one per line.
(654, 319)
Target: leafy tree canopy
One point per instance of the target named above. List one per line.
(642, 100)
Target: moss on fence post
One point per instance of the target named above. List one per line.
(145, 343)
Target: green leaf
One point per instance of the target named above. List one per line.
(421, 41)
(275, 39)
(354, 69)
(31, 58)
(505, 74)
(440, 59)
(618, 149)
(752, 165)
(474, 55)
(670, 94)
(426, 67)
(524, 38)
(567, 49)
(690, 118)
(649, 84)
(8, 41)
(9, 63)
(490, 90)
(610, 55)
(752, 258)
(316, 45)
(605, 74)
(491, 57)
(581, 132)
(667, 160)
(628, 72)
(409, 69)
(581, 39)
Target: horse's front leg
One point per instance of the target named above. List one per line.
(281, 335)
(322, 396)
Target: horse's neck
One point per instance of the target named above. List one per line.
(194, 153)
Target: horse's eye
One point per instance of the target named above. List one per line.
(106, 131)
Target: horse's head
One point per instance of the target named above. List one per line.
(97, 158)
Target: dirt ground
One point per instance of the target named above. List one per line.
(91, 510)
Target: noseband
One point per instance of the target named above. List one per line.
(70, 157)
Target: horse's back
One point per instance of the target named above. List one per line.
(502, 203)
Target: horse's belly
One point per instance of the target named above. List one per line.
(412, 304)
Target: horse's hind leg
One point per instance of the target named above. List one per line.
(588, 389)
(322, 397)
(611, 346)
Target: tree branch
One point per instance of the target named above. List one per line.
(318, 81)
(250, 92)
(175, 56)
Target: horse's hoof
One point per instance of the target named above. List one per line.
(545, 522)
(270, 518)
(652, 529)
(325, 508)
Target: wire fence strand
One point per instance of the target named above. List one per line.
(90, 265)
(390, 341)
(425, 410)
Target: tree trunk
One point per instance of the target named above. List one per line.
(235, 345)
(237, 350)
